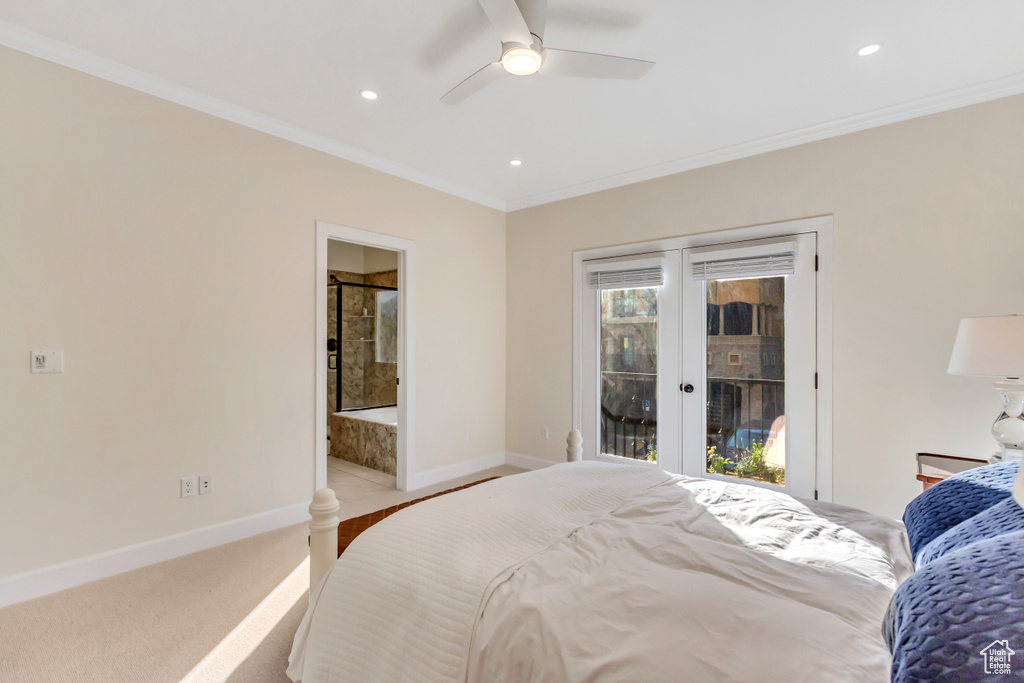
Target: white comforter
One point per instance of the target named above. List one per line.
(597, 572)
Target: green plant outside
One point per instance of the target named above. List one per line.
(716, 463)
(751, 465)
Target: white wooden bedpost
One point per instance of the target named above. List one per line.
(574, 452)
(323, 535)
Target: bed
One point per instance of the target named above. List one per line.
(591, 571)
(960, 616)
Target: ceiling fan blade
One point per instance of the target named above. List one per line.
(509, 21)
(592, 65)
(474, 84)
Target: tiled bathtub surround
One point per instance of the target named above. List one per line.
(367, 437)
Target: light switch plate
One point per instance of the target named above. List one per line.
(47, 360)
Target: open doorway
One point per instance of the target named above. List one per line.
(362, 360)
(363, 420)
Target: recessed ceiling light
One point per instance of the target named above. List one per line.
(369, 94)
(516, 162)
(869, 50)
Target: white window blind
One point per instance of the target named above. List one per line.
(635, 278)
(763, 260)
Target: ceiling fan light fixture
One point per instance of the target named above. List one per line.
(521, 61)
(869, 49)
(368, 95)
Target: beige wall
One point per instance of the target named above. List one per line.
(379, 260)
(171, 255)
(929, 228)
(345, 256)
(355, 258)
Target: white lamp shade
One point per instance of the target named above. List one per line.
(989, 347)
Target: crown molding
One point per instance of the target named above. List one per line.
(34, 44)
(54, 51)
(933, 104)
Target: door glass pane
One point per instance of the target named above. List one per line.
(629, 367)
(746, 338)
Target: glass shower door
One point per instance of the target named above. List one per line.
(368, 340)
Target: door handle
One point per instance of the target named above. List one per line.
(687, 388)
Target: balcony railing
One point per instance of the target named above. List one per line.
(739, 412)
(629, 413)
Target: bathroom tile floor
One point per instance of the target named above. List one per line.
(361, 490)
(350, 468)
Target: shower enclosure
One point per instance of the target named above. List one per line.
(363, 371)
(367, 336)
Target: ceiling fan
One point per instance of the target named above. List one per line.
(520, 24)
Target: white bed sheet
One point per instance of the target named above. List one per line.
(592, 571)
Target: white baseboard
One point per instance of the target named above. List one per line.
(527, 462)
(462, 469)
(46, 580)
(38, 582)
(459, 469)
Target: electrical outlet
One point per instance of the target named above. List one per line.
(188, 487)
(544, 432)
(205, 484)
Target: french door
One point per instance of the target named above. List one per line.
(631, 318)
(702, 361)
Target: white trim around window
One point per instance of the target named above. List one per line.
(822, 226)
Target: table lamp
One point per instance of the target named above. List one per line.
(994, 347)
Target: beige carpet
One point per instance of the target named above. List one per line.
(224, 614)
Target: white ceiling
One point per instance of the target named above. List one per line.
(733, 77)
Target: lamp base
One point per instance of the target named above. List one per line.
(1008, 429)
(1018, 487)
(1011, 454)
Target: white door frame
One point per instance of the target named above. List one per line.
(406, 335)
(823, 226)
